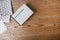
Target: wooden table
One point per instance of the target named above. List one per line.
(44, 24)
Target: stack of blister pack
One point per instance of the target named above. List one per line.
(5, 13)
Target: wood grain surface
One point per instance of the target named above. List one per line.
(44, 24)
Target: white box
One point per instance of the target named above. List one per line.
(22, 14)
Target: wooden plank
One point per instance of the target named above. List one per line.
(43, 25)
